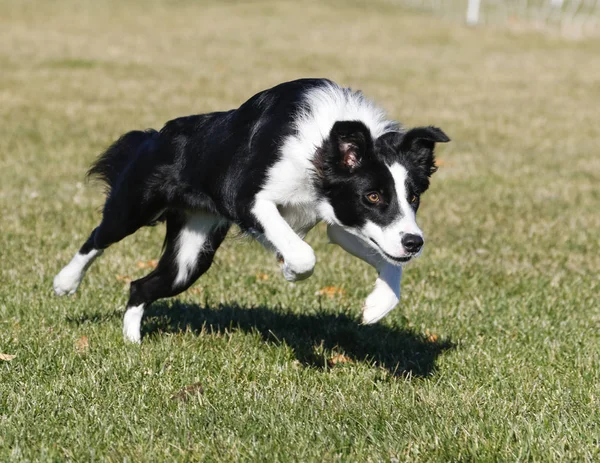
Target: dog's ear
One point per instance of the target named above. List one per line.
(419, 144)
(351, 142)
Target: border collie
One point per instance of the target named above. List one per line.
(291, 156)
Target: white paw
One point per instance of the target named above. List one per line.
(132, 336)
(300, 264)
(381, 301)
(67, 281)
(132, 324)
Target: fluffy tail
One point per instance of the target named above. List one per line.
(110, 164)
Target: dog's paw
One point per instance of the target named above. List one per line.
(67, 281)
(132, 324)
(132, 336)
(300, 264)
(379, 303)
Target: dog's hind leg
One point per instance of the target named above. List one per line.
(191, 243)
(134, 199)
(68, 279)
(117, 223)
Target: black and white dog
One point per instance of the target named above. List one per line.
(294, 155)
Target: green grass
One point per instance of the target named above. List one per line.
(494, 352)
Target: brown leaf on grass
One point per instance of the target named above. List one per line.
(431, 337)
(187, 392)
(339, 358)
(152, 263)
(82, 344)
(440, 163)
(330, 291)
(195, 290)
(7, 357)
(124, 278)
(262, 276)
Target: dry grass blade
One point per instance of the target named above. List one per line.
(330, 291)
(82, 344)
(339, 358)
(189, 391)
(431, 337)
(7, 357)
(143, 264)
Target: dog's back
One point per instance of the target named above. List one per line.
(217, 161)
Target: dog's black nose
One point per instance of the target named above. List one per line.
(412, 243)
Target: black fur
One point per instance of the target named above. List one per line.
(347, 187)
(215, 161)
(112, 163)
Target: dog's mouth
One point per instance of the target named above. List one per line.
(398, 260)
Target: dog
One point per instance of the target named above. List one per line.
(290, 157)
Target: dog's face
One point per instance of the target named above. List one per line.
(374, 187)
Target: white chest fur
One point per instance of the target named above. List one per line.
(301, 217)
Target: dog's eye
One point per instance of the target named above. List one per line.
(413, 199)
(373, 197)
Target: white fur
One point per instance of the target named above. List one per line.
(68, 279)
(355, 245)
(386, 293)
(191, 241)
(385, 296)
(299, 258)
(389, 238)
(302, 217)
(326, 213)
(326, 105)
(132, 323)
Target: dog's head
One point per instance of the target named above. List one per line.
(373, 187)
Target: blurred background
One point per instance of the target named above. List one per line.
(571, 18)
(493, 352)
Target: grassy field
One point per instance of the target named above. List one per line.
(494, 352)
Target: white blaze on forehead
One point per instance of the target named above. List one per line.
(399, 174)
(407, 221)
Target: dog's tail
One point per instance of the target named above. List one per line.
(110, 164)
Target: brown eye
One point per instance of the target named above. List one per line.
(413, 199)
(373, 197)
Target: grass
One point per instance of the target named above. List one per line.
(494, 353)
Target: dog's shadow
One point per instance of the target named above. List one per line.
(314, 338)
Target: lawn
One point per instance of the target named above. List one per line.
(494, 351)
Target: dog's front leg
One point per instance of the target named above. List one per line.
(386, 294)
(298, 257)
